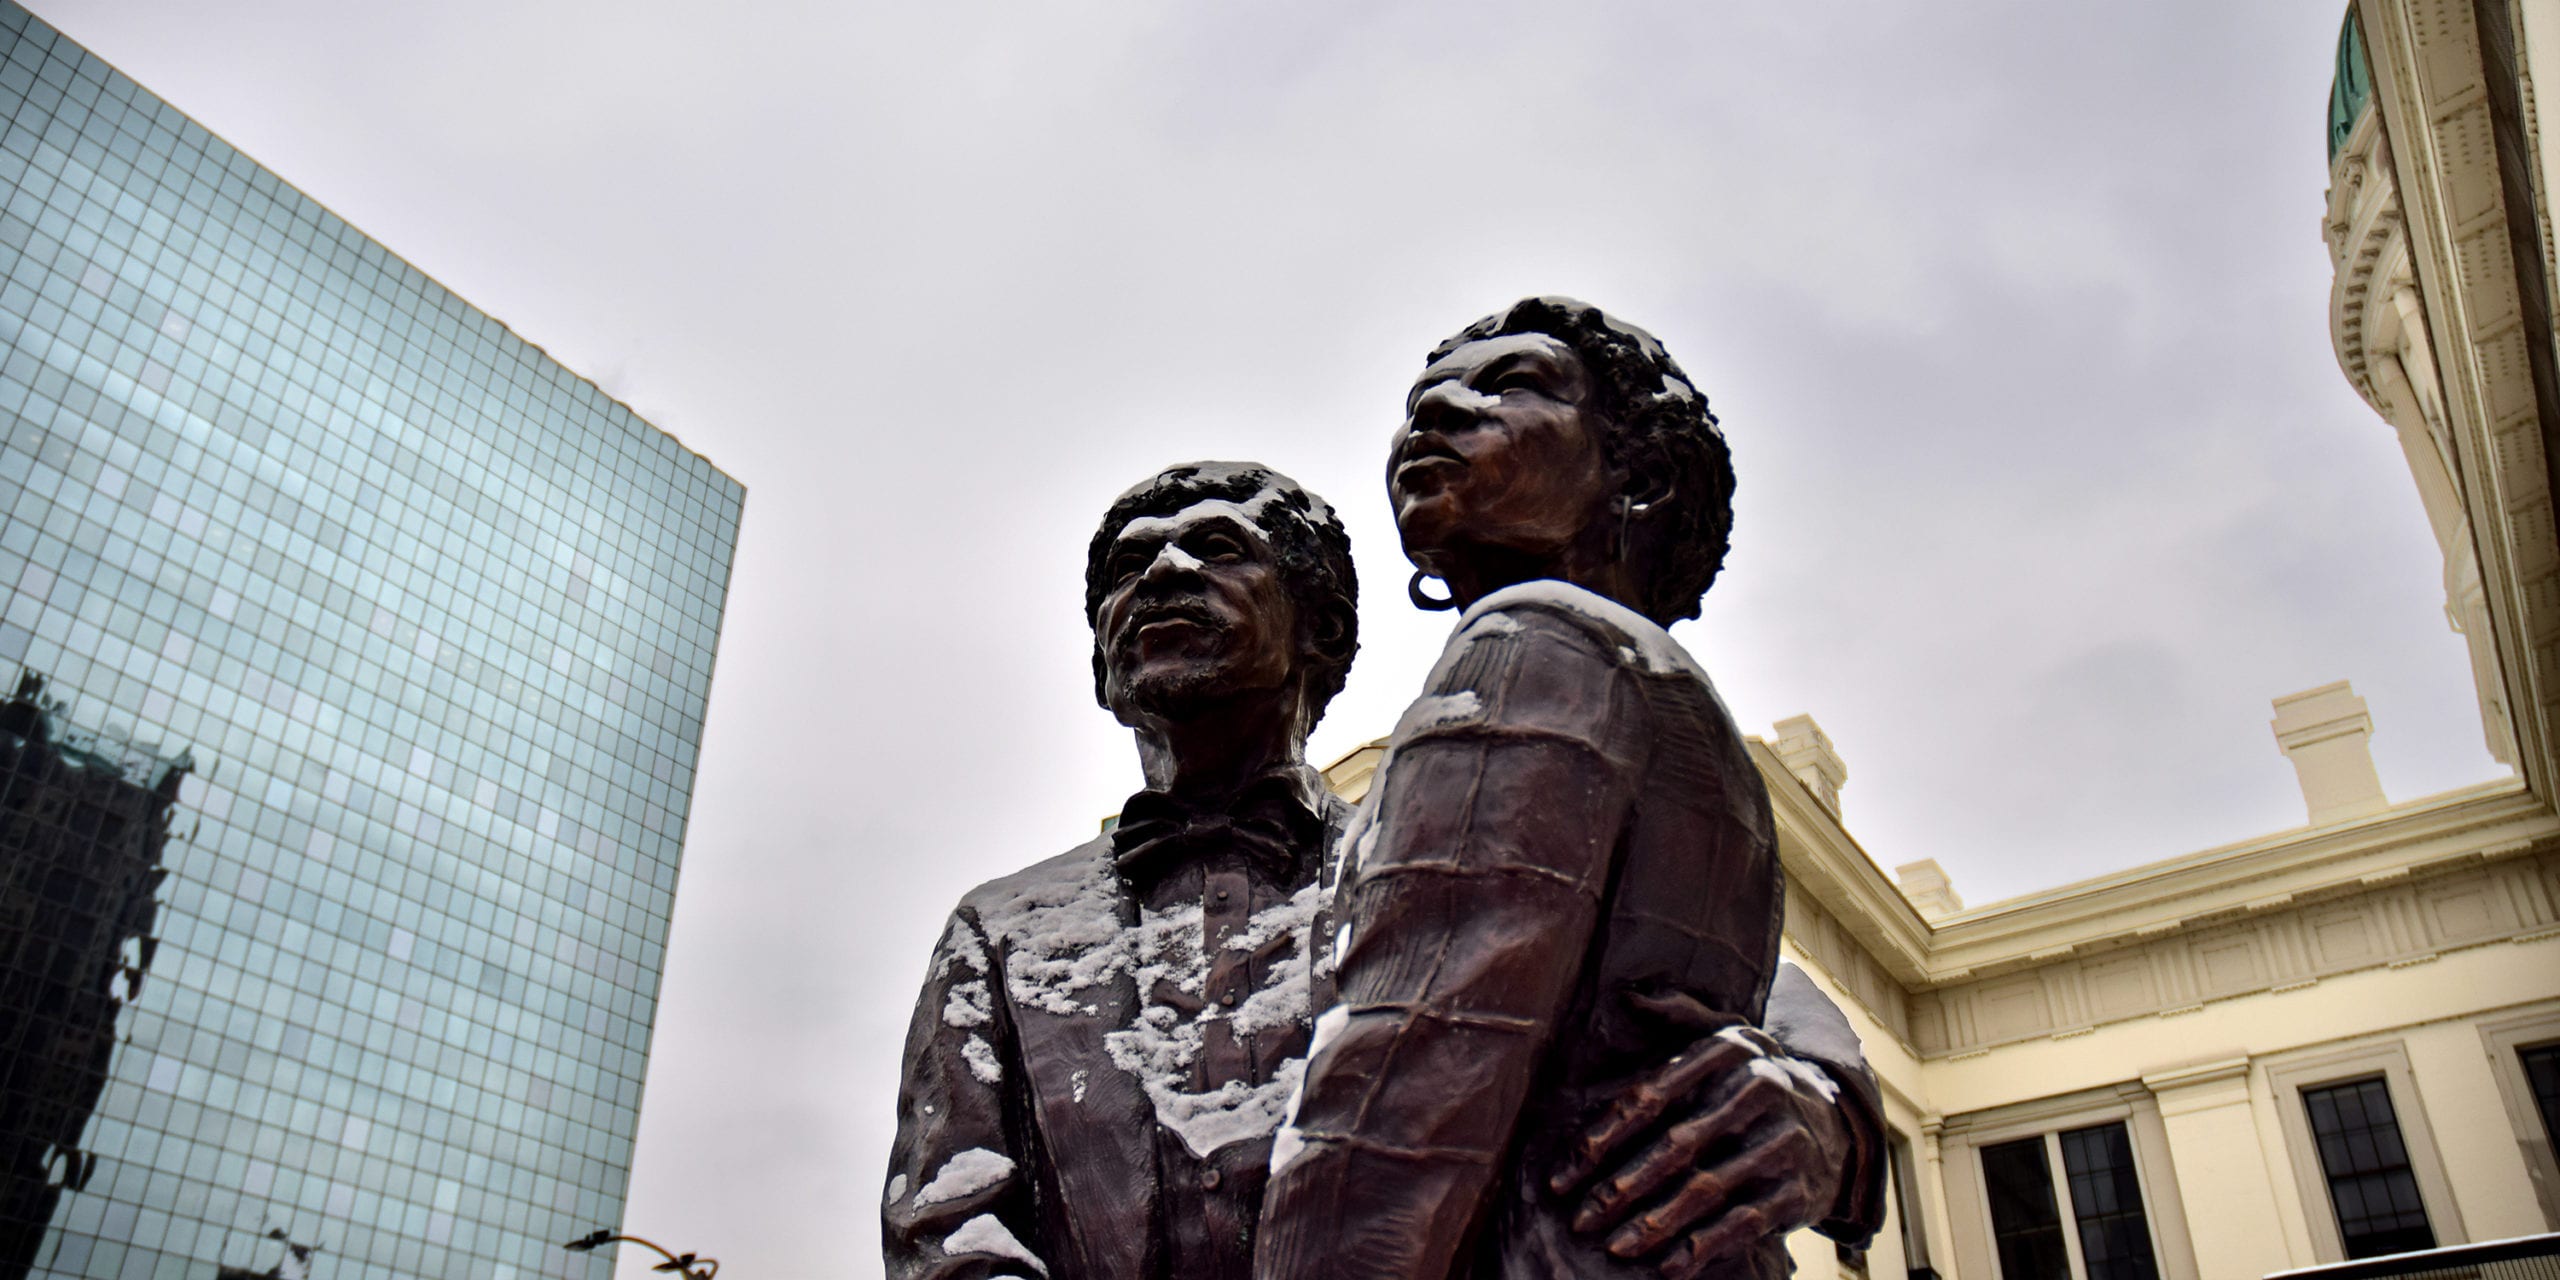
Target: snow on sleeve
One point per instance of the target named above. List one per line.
(959, 947)
(1287, 1141)
(983, 1234)
(970, 1005)
(1439, 711)
(981, 1058)
(1793, 1073)
(965, 1174)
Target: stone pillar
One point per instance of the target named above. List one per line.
(1938, 1234)
(2328, 736)
(2221, 1171)
(1925, 883)
(1806, 751)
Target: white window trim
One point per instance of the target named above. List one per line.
(2503, 1038)
(1969, 1202)
(2288, 1075)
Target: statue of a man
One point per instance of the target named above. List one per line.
(1106, 1041)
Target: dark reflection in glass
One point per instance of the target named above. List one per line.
(2542, 1071)
(2106, 1201)
(2026, 1227)
(81, 835)
(293, 1261)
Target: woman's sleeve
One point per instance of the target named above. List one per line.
(1475, 892)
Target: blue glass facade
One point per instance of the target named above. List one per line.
(361, 654)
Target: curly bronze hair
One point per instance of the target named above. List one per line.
(1314, 552)
(1657, 426)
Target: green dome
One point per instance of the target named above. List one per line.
(2351, 88)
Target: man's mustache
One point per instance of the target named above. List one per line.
(1150, 610)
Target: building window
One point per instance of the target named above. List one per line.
(2541, 1065)
(2372, 1186)
(2112, 1239)
(2524, 1055)
(1904, 1186)
(2367, 1087)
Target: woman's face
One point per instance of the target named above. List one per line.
(1500, 449)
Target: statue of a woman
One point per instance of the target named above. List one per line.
(1568, 869)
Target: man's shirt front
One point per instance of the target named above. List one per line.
(1127, 1023)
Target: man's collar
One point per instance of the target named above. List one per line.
(1278, 821)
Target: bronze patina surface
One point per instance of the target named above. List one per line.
(1568, 871)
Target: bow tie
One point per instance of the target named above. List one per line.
(1269, 822)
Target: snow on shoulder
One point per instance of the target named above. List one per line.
(1640, 641)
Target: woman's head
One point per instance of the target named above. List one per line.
(1550, 433)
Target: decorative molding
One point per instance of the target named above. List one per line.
(2445, 151)
(2501, 1038)
(2197, 1076)
(2202, 890)
(2395, 921)
(1831, 945)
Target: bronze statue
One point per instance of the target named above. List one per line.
(1567, 870)
(1107, 1040)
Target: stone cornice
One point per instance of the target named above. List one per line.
(2200, 1074)
(2443, 148)
(2196, 891)
(2248, 878)
(1822, 858)
(2363, 231)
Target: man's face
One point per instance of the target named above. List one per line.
(1196, 611)
(1500, 447)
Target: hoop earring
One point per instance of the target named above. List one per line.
(1413, 592)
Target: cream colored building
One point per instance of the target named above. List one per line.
(2168, 1031)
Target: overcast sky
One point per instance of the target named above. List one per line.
(2015, 314)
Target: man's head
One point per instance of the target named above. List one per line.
(1656, 435)
(1211, 579)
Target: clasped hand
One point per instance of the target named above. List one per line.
(1751, 1149)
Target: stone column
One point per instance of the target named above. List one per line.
(2327, 734)
(1806, 750)
(2221, 1170)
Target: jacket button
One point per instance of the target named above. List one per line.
(1209, 1181)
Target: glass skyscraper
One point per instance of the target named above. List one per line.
(354, 656)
